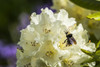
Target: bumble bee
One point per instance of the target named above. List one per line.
(70, 39)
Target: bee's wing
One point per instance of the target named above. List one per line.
(74, 41)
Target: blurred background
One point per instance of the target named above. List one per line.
(14, 16)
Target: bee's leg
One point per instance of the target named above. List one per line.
(64, 41)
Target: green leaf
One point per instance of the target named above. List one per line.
(95, 16)
(87, 52)
(97, 64)
(98, 45)
(98, 52)
(87, 61)
(89, 4)
(97, 55)
(85, 65)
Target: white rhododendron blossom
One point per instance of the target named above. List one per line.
(44, 43)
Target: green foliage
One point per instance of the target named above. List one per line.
(87, 52)
(89, 4)
(93, 38)
(87, 61)
(95, 16)
(98, 46)
(95, 56)
(85, 65)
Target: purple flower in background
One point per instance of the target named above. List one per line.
(38, 9)
(15, 30)
(24, 21)
(7, 54)
(47, 4)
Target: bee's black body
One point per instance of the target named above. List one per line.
(70, 39)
